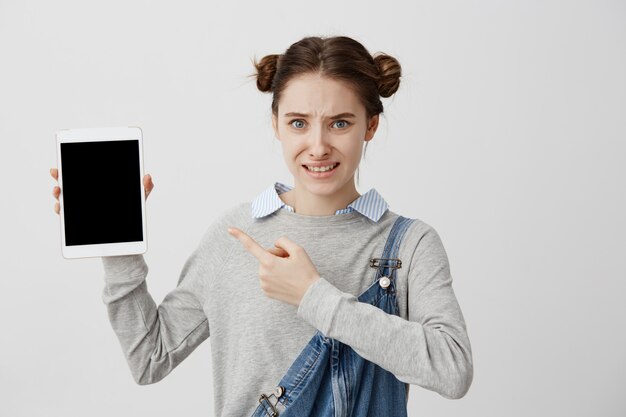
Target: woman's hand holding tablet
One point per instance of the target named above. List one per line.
(92, 160)
(148, 185)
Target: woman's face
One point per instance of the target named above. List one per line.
(321, 121)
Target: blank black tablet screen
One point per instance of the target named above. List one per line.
(101, 192)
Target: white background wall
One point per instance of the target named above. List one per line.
(506, 135)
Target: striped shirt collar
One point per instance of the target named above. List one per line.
(371, 204)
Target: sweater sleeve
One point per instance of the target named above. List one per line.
(430, 349)
(155, 339)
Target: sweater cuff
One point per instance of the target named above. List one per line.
(319, 303)
(122, 275)
(123, 267)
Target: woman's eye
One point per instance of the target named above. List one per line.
(346, 123)
(299, 123)
(294, 121)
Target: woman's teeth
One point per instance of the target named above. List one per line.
(321, 169)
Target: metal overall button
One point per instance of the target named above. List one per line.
(278, 392)
(384, 281)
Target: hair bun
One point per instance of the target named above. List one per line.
(266, 69)
(390, 73)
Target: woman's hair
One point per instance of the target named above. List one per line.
(340, 58)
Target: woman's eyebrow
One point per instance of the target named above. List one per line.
(338, 116)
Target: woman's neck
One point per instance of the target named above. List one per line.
(308, 204)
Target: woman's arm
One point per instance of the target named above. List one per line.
(156, 339)
(431, 349)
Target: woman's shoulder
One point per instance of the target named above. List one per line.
(417, 226)
(419, 233)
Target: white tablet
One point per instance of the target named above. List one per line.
(103, 208)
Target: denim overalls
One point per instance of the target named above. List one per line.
(329, 379)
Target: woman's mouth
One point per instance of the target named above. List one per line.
(322, 171)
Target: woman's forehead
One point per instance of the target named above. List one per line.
(318, 97)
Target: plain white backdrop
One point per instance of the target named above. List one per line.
(507, 135)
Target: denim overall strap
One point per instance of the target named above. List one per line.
(389, 262)
(328, 378)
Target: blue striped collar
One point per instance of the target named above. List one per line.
(371, 204)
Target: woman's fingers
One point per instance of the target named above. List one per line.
(56, 190)
(148, 185)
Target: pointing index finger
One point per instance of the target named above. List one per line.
(250, 244)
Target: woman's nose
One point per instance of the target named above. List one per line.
(319, 142)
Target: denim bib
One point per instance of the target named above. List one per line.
(328, 378)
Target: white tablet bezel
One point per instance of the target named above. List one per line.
(96, 135)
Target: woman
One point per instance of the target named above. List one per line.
(299, 315)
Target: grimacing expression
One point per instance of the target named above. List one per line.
(322, 120)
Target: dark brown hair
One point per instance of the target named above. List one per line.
(338, 57)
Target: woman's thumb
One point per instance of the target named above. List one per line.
(278, 252)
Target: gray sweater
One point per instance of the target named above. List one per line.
(254, 338)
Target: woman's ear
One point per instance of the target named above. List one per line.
(371, 127)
